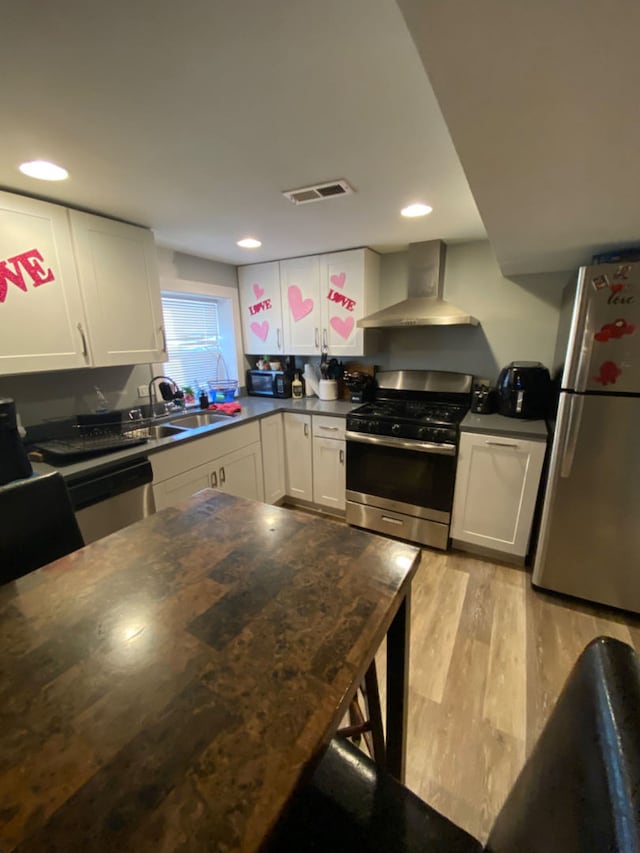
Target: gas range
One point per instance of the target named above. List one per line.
(401, 454)
(413, 419)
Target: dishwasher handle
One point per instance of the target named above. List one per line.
(94, 487)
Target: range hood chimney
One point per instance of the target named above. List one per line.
(424, 305)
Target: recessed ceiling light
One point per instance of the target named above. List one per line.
(43, 170)
(416, 210)
(249, 243)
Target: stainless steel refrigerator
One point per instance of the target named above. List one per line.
(589, 542)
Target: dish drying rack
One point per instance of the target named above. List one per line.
(94, 439)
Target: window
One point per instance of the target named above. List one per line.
(200, 348)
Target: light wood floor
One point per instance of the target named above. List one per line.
(489, 655)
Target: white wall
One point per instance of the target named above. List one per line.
(61, 394)
(518, 316)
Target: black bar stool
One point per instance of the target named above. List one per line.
(579, 791)
(37, 525)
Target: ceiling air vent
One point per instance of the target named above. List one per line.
(318, 192)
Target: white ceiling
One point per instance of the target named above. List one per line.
(541, 99)
(191, 118)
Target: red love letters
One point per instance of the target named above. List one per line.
(265, 305)
(341, 299)
(15, 268)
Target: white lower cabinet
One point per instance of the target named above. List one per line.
(496, 488)
(299, 467)
(181, 487)
(329, 462)
(283, 454)
(273, 458)
(230, 460)
(239, 473)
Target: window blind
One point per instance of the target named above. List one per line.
(193, 338)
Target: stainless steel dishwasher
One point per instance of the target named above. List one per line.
(112, 498)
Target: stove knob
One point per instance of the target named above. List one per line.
(395, 429)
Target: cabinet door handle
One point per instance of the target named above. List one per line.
(341, 457)
(324, 338)
(306, 430)
(85, 349)
(214, 480)
(317, 337)
(223, 477)
(501, 443)
(278, 338)
(164, 339)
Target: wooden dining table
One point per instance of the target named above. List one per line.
(168, 687)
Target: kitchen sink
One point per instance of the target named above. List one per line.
(199, 419)
(164, 430)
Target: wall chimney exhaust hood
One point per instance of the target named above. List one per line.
(424, 305)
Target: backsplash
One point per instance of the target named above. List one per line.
(61, 394)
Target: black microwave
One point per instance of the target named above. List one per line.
(268, 383)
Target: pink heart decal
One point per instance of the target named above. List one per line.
(338, 280)
(342, 327)
(299, 307)
(261, 329)
(259, 291)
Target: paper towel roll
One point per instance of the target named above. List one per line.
(310, 381)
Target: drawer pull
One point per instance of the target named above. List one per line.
(330, 429)
(501, 443)
(392, 520)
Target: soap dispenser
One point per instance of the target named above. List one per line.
(296, 388)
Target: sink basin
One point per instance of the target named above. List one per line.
(199, 419)
(164, 430)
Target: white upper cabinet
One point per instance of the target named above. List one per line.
(349, 291)
(118, 272)
(302, 307)
(76, 290)
(42, 322)
(316, 301)
(261, 309)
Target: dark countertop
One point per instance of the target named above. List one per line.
(253, 408)
(499, 425)
(165, 687)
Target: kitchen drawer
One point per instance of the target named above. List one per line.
(328, 427)
(175, 460)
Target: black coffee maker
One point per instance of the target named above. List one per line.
(14, 464)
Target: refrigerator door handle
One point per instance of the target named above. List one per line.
(586, 352)
(574, 418)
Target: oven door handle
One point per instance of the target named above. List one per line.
(402, 443)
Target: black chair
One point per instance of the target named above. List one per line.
(37, 525)
(579, 791)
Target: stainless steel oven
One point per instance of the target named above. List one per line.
(402, 454)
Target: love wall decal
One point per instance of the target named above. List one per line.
(299, 307)
(342, 327)
(261, 329)
(15, 268)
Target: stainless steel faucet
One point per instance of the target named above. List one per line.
(178, 396)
